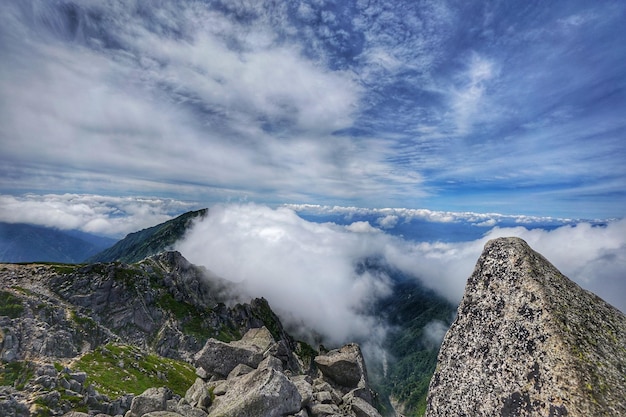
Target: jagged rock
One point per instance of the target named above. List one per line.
(528, 341)
(261, 393)
(11, 403)
(239, 370)
(322, 410)
(199, 394)
(152, 399)
(305, 389)
(221, 358)
(362, 408)
(344, 366)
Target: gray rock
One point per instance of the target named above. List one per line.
(239, 370)
(221, 358)
(528, 341)
(200, 394)
(323, 410)
(152, 399)
(262, 393)
(345, 369)
(163, 414)
(11, 403)
(362, 408)
(304, 388)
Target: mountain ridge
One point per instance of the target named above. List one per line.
(150, 241)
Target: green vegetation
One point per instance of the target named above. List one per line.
(264, 312)
(16, 374)
(116, 369)
(409, 310)
(10, 305)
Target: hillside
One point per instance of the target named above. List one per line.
(147, 242)
(29, 243)
(155, 336)
(528, 341)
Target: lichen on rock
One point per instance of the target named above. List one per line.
(528, 341)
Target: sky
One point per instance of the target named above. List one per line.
(321, 133)
(484, 106)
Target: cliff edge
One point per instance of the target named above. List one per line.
(527, 341)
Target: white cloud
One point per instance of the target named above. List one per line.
(102, 215)
(307, 270)
(388, 221)
(468, 99)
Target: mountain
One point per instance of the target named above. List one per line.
(28, 243)
(147, 242)
(158, 336)
(528, 341)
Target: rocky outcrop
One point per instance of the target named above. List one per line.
(163, 303)
(527, 341)
(113, 316)
(245, 378)
(246, 387)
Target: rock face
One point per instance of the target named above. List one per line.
(52, 317)
(527, 341)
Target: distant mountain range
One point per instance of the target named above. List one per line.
(29, 243)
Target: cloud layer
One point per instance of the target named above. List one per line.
(308, 271)
(97, 214)
(454, 106)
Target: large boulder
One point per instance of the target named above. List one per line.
(219, 358)
(345, 366)
(265, 392)
(152, 399)
(527, 341)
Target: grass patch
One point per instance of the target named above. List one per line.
(10, 305)
(16, 374)
(115, 370)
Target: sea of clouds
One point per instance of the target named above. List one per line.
(307, 271)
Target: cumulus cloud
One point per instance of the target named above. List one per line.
(102, 215)
(307, 270)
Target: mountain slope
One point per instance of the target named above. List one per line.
(417, 318)
(29, 243)
(108, 338)
(147, 242)
(528, 341)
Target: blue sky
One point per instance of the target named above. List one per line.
(504, 107)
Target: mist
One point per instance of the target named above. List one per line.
(307, 271)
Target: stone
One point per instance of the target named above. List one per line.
(322, 410)
(304, 388)
(528, 341)
(262, 393)
(199, 394)
(239, 370)
(152, 399)
(221, 358)
(344, 366)
(362, 408)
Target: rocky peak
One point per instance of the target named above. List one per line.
(528, 341)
